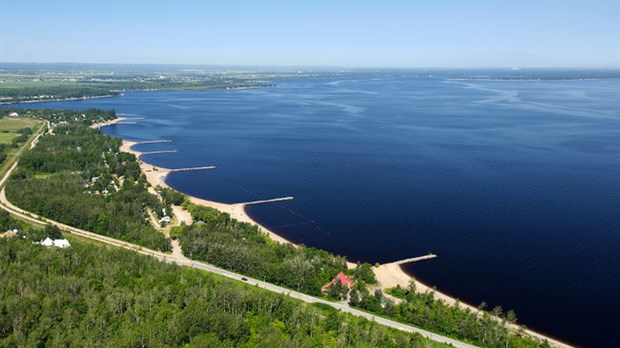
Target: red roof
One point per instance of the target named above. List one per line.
(344, 281)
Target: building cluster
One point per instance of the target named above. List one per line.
(59, 243)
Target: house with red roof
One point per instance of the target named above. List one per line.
(343, 279)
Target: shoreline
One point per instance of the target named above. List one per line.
(388, 275)
(156, 176)
(30, 101)
(59, 99)
(107, 123)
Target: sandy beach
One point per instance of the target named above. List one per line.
(388, 275)
(156, 176)
(107, 123)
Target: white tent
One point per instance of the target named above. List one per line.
(62, 243)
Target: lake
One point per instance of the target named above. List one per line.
(515, 184)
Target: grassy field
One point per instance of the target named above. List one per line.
(10, 125)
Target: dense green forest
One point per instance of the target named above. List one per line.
(230, 244)
(93, 296)
(78, 176)
(7, 223)
(423, 310)
(241, 247)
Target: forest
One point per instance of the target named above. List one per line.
(238, 246)
(94, 296)
(78, 176)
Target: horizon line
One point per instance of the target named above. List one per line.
(318, 66)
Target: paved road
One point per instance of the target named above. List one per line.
(5, 204)
(38, 220)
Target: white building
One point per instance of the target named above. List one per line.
(60, 243)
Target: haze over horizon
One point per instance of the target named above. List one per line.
(451, 34)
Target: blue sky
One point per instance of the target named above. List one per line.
(448, 33)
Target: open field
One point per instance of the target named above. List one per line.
(9, 127)
(12, 124)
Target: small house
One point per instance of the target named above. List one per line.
(13, 114)
(343, 279)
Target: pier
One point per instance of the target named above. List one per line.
(125, 122)
(268, 201)
(152, 142)
(192, 168)
(157, 152)
(415, 259)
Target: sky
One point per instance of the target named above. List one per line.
(387, 33)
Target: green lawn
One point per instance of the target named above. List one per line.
(10, 125)
(6, 138)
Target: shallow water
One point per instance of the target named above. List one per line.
(514, 184)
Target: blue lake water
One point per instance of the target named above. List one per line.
(515, 184)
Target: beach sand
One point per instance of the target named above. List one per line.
(182, 215)
(156, 176)
(107, 123)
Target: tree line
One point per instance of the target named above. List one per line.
(52, 90)
(55, 117)
(92, 296)
(216, 238)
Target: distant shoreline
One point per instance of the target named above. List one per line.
(233, 87)
(60, 99)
